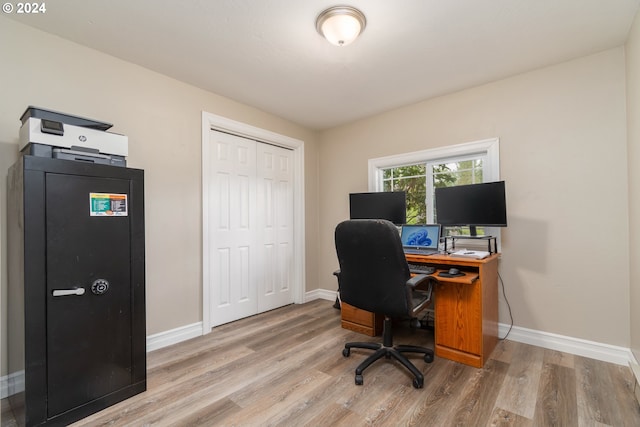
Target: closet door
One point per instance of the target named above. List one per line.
(250, 227)
(233, 229)
(275, 219)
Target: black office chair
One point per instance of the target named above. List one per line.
(374, 276)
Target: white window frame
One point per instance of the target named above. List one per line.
(488, 148)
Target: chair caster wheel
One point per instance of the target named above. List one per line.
(418, 382)
(359, 379)
(428, 358)
(346, 352)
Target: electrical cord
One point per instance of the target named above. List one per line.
(508, 306)
(428, 315)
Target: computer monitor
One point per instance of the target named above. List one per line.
(389, 205)
(472, 205)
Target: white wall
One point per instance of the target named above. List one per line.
(162, 118)
(633, 136)
(562, 131)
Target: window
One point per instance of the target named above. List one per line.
(419, 173)
(413, 180)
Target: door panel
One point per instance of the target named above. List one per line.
(232, 237)
(89, 335)
(275, 204)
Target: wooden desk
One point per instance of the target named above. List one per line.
(359, 320)
(466, 309)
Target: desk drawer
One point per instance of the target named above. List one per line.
(361, 321)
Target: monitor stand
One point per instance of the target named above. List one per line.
(489, 239)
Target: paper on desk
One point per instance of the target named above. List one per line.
(464, 253)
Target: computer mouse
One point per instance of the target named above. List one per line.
(454, 271)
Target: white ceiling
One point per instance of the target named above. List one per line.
(267, 53)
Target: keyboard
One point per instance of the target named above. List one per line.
(421, 269)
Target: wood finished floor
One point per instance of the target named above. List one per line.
(285, 368)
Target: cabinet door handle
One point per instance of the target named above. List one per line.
(65, 292)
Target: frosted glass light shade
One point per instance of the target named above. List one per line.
(341, 25)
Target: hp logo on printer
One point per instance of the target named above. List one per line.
(82, 138)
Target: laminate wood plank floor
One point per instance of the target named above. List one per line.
(285, 368)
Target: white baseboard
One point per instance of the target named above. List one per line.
(320, 294)
(11, 384)
(577, 346)
(173, 336)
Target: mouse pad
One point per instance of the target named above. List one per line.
(446, 274)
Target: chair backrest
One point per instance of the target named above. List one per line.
(373, 267)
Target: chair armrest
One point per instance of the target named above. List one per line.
(419, 279)
(420, 287)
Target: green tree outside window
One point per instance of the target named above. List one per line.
(413, 180)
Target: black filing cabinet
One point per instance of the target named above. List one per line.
(76, 289)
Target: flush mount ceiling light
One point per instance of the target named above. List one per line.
(340, 25)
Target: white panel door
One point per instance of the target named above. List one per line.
(275, 220)
(233, 228)
(250, 227)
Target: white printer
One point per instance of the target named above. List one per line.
(46, 133)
